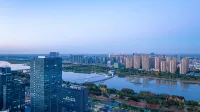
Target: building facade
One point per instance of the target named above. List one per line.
(14, 96)
(145, 62)
(129, 62)
(54, 54)
(137, 61)
(5, 74)
(12, 92)
(75, 98)
(109, 64)
(168, 60)
(46, 84)
(184, 66)
(163, 66)
(152, 62)
(77, 59)
(173, 65)
(157, 63)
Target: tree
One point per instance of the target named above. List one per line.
(127, 91)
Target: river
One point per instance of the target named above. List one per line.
(14, 67)
(189, 91)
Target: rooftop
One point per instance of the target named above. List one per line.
(77, 87)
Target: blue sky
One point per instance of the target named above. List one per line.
(100, 26)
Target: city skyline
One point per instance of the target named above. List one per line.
(99, 55)
(111, 27)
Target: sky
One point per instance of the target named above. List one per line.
(99, 26)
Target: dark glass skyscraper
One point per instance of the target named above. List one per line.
(14, 96)
(5, 74)
(75, 98)
(46, 84)
(12, 92)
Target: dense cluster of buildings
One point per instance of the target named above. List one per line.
(151, 62)
(154, 62)
(85, 59)
(47, 93)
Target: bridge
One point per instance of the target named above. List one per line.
(86, 79)
(102, 79)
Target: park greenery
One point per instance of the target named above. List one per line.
(151, 99)
(166, 75)
(86, 69)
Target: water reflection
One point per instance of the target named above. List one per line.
(158, 86)
(158, 82)
(135, 80)
(129, 79)
(184, 86)
(145, 82)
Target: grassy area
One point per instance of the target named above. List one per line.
(86, 69)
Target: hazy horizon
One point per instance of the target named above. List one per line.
(100, 27)
(47, 53)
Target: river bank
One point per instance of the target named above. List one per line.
(127, 99)
(190, 82)
(175, 80)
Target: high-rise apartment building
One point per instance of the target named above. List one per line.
(179, 58)
(152, 62)
(122, 60)
(46, 84)
(129, 62)
(173, 65)
(157, 63)
(109, 64)
(145, 61)
(182, 71)
(137, 61)
(168, 59)
(77, 59)
(184, 66)
(75, 98)
(163, 66)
